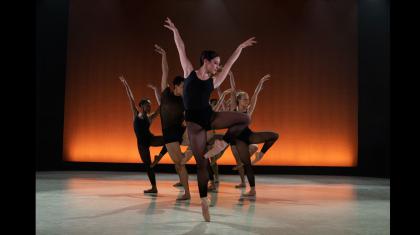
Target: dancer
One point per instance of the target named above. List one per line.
(172, 118)
(199, 115)
(142, 120)
(243, 105)
(217, 106)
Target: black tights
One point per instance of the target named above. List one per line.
(245, 157)
(266, 137)
(145, 155)
(235, 122)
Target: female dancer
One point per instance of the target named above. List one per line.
(248, 136)
(217, 106)
(198, 113)
(142, 120)
(172, 118)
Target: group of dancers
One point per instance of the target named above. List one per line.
(189, 118)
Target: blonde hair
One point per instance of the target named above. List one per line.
(239, 95)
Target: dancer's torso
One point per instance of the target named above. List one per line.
(171, 109)
(141, 128)
(197, 92)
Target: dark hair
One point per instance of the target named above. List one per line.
(208, 55)
(178, 80)
(144, 101)
(213, 100)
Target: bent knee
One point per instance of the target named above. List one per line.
(246, 119)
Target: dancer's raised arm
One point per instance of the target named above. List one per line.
(130, 97)
(165, 68)
(256, 92)
(157, 93)
(220, 77)
(220, 93)
(233, 101)
(185, 62)
(221, 99)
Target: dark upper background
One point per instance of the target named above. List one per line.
(373, 88)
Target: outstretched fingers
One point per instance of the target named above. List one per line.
(159, 49)
(248, 42)
(169, 24)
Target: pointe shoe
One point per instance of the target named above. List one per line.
(258, 157)
(156, 161)
(205, 209)
(217, 147)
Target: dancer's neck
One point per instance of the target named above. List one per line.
(202, 73)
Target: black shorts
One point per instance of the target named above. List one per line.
(173, 134)
(244, 135)
(202, 117)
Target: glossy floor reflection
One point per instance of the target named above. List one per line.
(114, 203)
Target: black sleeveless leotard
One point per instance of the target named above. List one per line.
(141, 128)
(196, 100)
(172, 116)
(244, 135)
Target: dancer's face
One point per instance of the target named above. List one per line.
(179, 89)
(213, 65)
(243, 100)
(146, 108)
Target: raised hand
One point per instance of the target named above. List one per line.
(122, 79)
(169, 24)
(160, 50)
(265, 78)
(227, 91)
(247, 43)
(152, 86)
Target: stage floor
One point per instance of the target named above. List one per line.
(85, 202)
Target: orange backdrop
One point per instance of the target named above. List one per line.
(308, 47)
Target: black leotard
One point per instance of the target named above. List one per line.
(141, 128)
(172, 116)
(244, 135)
(196, 100)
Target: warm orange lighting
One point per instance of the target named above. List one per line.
(310, 99)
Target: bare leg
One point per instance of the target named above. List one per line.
(176, 155)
